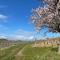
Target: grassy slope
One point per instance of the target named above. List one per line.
(40, 54)
(29, 53)
(9, 54)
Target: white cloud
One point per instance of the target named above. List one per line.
(31, 37)
(23, 32)
(19, 35)
(4, 37)
(3, 17)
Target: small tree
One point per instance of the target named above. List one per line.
(48, 16)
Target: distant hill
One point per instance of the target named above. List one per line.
(3, 40)
(6, 43)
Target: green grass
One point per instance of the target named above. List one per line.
(30, 53)
(9, 54)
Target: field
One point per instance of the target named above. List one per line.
(27, 52)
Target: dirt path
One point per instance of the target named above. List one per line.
(19, 54)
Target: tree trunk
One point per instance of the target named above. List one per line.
(59, 49)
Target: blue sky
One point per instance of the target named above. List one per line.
(14, 18)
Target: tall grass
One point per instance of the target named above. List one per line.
(9, 54)
(45, 53)
(29, 53)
